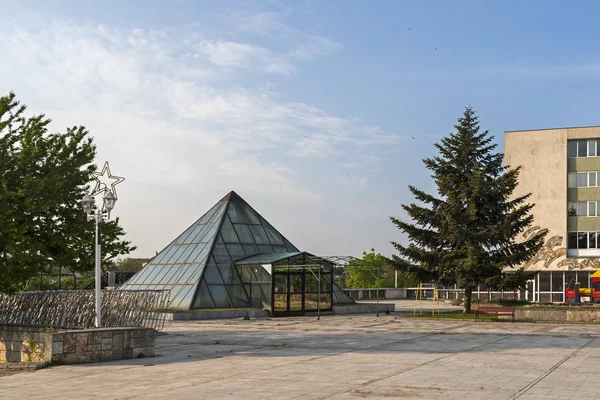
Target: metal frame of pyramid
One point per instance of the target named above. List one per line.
(198, 267)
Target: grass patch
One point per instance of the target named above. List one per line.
(453, 315)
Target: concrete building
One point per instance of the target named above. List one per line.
(561, 168)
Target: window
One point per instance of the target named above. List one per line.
(572, 240)
(582, 242)
(571, 149)
(591, 208)
(582, 148)
(582, 179)
(592, 240)
(592, 179)
(572, 180)
(581, 209)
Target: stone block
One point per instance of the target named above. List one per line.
(94, 347)
(127, 353)
(106, 335)
(138, 333)
(138, 342)
(126, 339)
(58, 337)
(107, 343)
(94, 338)
(70, 343)
(82, 342)
(57, 348)
(117, 341)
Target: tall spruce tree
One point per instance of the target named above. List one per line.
(468, 234)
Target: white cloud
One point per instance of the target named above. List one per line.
(176, 125)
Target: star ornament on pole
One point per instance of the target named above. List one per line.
(101, 187)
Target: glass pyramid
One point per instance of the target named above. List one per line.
(197, 266)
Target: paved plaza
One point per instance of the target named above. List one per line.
(339, 357)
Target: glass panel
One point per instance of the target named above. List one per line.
(250, 249)
(582, 209)
(598, 147)
(212, 276)
(265, 249)
(557, 281)
(326, 283)
(187, 250)
(225, 270)
(238, 296)
(295, 283)
(273, 235)
(191, 274)
(280, 284)
(572, 209)
(591, 208)
(236, 251)
(582, 179)
(169, 253)
(204, 299)
(206, 217)
(250, 215)
(545, 298)
(557, 297)
(295, 302)
(243, 233)
(184, 235)
(582, 148)
(571, 148)
(290, 247)
(592, 179)
(592, 148)
(280, 302)
(582, 241)
(279, 249)
(570, 276)
(311, 282)
(591, 240)
(234, 214)
(227, 232)
(583, 277)
(197, 251)
(260, 237)
(572, 180)
(544, 281)
(219, 296)
(220, 253)
(572, 240)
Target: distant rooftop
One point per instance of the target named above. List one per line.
(552, 129)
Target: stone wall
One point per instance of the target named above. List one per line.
(558, 315)
(104, 344)
(20, 343)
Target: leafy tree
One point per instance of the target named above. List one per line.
(374, 270)
(43, 177)
(468, 234)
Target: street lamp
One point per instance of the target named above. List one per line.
(109, 199)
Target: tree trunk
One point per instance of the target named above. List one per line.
(468, 297)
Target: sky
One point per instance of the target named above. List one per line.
(317, 113)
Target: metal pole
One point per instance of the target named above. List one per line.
(98, 269)
(378, 271)
(319, 296)
(396, 279)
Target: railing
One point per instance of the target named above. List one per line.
(428, 293)
(76, 308)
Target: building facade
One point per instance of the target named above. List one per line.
(561, 170)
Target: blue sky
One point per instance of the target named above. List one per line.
(307, 109)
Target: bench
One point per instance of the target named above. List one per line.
(497, 311)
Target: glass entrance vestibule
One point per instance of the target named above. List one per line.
(288, 283)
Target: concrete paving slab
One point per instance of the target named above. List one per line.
(338, 357)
